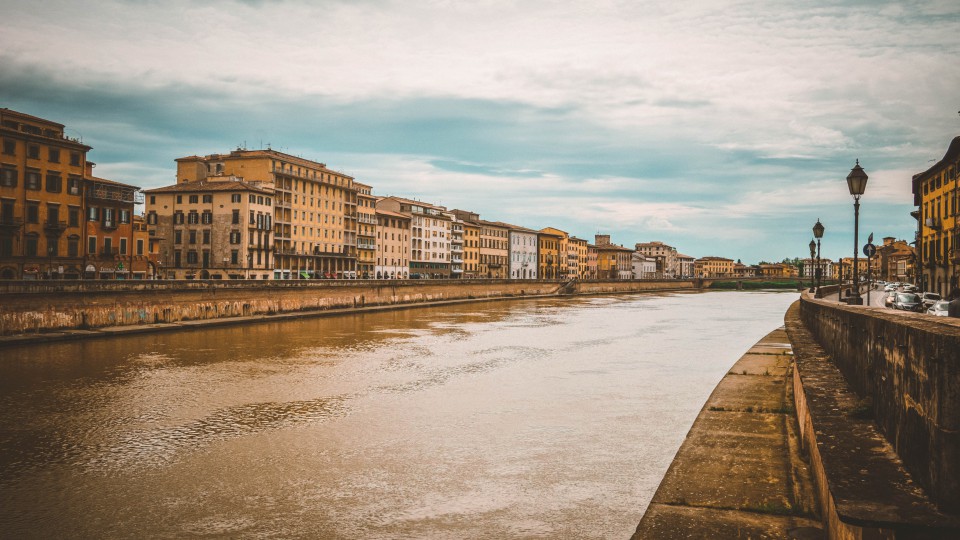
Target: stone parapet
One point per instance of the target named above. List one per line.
(865, 489)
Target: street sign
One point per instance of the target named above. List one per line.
(869, 250)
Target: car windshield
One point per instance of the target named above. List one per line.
(907, 298)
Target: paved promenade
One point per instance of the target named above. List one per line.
(739, 473)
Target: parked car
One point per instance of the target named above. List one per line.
(907, 302)
(910, 289)
(928, 299)
(888, 301)
(939, 308)
(890, 288)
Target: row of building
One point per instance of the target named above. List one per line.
(264, 214)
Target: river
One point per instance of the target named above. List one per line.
(552, 418)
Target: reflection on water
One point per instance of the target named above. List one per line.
(529, 418)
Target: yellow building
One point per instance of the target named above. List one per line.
(315, 208)
(562, 261)
(366, 231)
(577, 258)
(936, 192)
(705, 267)
(549, 242)
(613, 261)
(42, 222)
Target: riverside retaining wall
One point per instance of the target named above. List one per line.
(32, 307)
(906, 369)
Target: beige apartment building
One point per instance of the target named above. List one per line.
(494, 249)
(429, 236)
(456, 246)
(212, 230)
(666, 256)
(366, 231)
(471, 242)
(315, 208)
(392, 255)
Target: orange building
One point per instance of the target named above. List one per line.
(41, 200)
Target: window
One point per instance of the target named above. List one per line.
(8, 177)
(234, 237)
(33, 151)
(73, 246)
(236, 217)
(73, 185)
(194, 199)
(178, 218)
(208, 198)
(235, 198)
(179, 199)
(109, 217)
(140, 246)
(30, 249)
(91, 245)
(177, 237)
(54, 183)
(123, 246)
(193, 237)
(206, 236)
(207, 218)
(32, 212)
(191, 257)
(108, 246)
(193, 218)
(32, 180)
(9, 147)
(177, 259)
(152, 218)
(75, 159)
(153, 199)
(124, 216)
(53, 214)
(234, 257)
(54, 155)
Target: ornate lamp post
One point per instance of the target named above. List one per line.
(818, 234)
(813, 251)
(857, 183)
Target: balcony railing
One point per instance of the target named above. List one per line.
(10, 222)
(55, 226)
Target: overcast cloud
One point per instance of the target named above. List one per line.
(723, 128)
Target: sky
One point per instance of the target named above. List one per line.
(723, 128)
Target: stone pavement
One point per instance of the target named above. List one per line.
(739, 473)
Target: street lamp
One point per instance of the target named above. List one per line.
(857, 182)
(813, 251)
(818, 234)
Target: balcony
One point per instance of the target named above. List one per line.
(456, 260)
(108, 224)
(55, 227)
(10, 224)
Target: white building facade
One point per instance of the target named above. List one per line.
(523, 253)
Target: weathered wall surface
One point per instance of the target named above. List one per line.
(27, 307)
(907, 365)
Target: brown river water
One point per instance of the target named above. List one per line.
(551, 418)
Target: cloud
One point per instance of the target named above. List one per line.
(717, 125)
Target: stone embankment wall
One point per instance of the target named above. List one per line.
(30, 307)
(906, 367)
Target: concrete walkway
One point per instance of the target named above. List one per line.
(739, 473)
